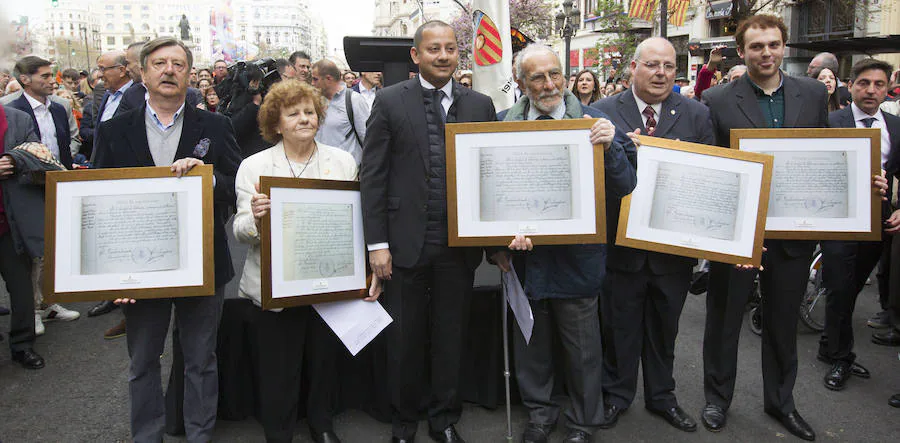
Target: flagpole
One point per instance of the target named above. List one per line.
(664, 18)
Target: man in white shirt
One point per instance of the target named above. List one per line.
(369, 83)
(344, 127)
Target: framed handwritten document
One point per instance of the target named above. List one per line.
(128, 233)
(697, 201)
(542, 178)
(312, 247)
(821, 181)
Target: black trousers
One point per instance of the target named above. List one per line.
(323, 348)
(16, 272)
(428, 303)
(783, 284)
(845, 267)
(640, 323)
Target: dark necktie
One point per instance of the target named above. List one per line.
(651, 120)
(438, 97)
(868, 121)
(544, 117)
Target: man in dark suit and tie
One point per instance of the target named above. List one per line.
(404, 201)
(51, 121)
(764, 97)
(167, 132)
(647, 290)
(847, 264)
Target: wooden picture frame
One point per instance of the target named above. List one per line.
(86, 258)
(286, 286)
(697, 201)
(571, 170)
(793, 214)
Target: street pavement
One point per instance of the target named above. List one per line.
(82, 393)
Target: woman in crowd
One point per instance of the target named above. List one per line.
(289, 117)
(586, 87)
(210, 99)
(203, 85)
(826, 76)
(76, 105)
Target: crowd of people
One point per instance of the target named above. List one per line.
(148, 105)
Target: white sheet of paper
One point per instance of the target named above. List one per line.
(355, 322)
(518, 301)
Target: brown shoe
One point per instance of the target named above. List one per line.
(116, 331)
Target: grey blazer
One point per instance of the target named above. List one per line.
(21, 128)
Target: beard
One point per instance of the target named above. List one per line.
(543, 101)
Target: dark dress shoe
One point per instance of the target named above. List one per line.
(677, 418)
(855, 368)
(713, 417)
(891, 337)
(535, 433)
(894, 400)
(104, 307)
(326, 437)
(836, 378)
(28, 359)
(795, 424)
(4, 310)
(577, 436)
(611, 416)
(448, 435)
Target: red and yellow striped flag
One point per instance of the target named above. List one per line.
(643, 9)
(677, 11)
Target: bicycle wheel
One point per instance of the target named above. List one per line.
(812, 309)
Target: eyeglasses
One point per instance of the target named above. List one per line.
(654, 66)
(103, 69)
(539, 78)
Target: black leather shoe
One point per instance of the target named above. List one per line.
(448, 435)
(403, 440)
(577, 436)
(104, 307)
(28, 359)
(713, 417)
(855, 368)
(611, 416)
(535, 433)
(325, 437)
(894, 400)
(891, 337)
(795, 424)
(4, 310)
(677, 418)
(836, 378)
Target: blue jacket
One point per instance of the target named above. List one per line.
(573, 271)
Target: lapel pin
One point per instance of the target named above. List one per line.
(672, 112)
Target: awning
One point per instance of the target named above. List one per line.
(881, 44)
(719, 10)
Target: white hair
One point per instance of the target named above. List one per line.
(532, 49)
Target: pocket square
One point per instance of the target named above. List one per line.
(202, 148)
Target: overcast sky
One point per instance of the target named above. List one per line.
(341, 17)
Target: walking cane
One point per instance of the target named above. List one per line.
(503, 301)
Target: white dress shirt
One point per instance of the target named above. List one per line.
(368, 94)
(45, 123)
(113, 103)
(641, 105)
(859, 116)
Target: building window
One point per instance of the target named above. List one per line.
(109, 26)
(109, 7)
(126, 16)
(145, 27)
(111, 41)
(126, 40)
(826, 19)
(126, 7)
